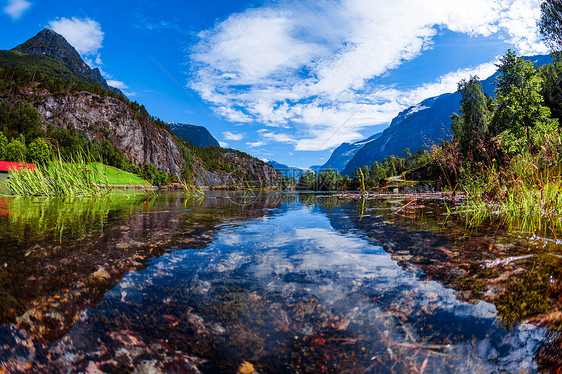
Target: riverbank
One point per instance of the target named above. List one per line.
(448, 196)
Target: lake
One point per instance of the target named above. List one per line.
(271, 283)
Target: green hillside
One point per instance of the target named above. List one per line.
(38, 64)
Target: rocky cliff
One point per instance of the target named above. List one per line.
(256, 173)
(110, 118)
(107, 117)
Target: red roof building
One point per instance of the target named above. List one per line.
(6, 166)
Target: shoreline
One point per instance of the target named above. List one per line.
(449, 196)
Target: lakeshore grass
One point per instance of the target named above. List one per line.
(77, 176)
(519, 196)
(59, 178)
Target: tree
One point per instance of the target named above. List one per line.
(307, 181)
(27, 121)
(392, 166)
(288, 183)
(520, 118)
(328, 180)
(470, 128)
(552, 89)
(550, 24)
(3, 145)
(15, 151)
(151, 173)
(38, 151)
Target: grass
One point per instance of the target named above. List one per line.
(60, 178)
(120, 177)
(77, 177)
(192, 190)
(519, 196)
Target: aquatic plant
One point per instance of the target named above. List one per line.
(520, 194)
(192, 190)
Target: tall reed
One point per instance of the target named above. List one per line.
(192, 190)
(77, 177)
(519, 195)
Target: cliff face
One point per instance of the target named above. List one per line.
(255, 173)
(111, 119)
(142, 140)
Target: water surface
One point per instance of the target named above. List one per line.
(269, 282)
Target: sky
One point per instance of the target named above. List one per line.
(283, 80)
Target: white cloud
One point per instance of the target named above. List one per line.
(117, 84)
(86, 36)
(520, 22)
(16, 8)
(83, 34)
(228, 135)
(308, 67)
(259, 143)
(224, 144)
(276, 137)
(445, 83)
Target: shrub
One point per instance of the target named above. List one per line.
(38, 151)
(15, 151)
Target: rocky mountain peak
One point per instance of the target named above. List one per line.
(197, 135)
(48, 43)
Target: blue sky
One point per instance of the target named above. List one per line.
(283, 80)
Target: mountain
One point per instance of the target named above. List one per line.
(196, 135)
(344, 153)
(48, 43)
(285, 170)
(45, 84)
(420, 126)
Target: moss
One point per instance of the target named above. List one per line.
(526, 296)
(5, 278)
(10, 308)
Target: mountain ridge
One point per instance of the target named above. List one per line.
(420, 126)
(345, 152)
(197, 135)
(286, 170)
(48, 43)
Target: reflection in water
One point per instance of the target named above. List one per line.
(60, 256)
(274, 282)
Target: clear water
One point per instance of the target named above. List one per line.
(272, 282)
